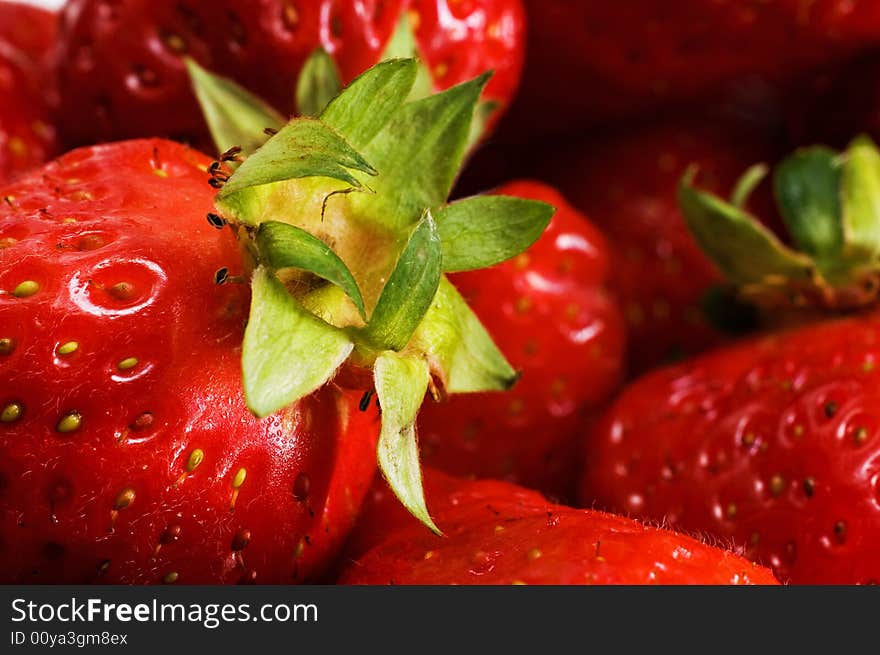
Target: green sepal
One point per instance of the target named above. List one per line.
(745, 250)
(403, 45)
(318, 84)
(419, 153)
(401, 383)
(485, 230)
(303, 148)
(235, 116)
(286, 246)
(860, 199)
(747, 183)
(368, 103)
(460, 351)
(409, 291)
(287, 352)
(807, 188)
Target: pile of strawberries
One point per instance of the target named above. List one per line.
(294, 291)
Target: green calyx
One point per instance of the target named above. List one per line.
(830, 204)
(345, 219)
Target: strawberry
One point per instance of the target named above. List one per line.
(626, 183)
(557, 324)
(27, 138)
(641, 55)
(120, 462)
(771, 443)
(498, 533)
(122, 73)
(33, 30)
(128, 452)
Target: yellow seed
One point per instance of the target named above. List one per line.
(777, 485)
(195, 458)
(170, 578)
(26, 288)
(70, 422)
(127, 363)
(238, 480)
(124, 499)
(11, 413)
(731, 510)
(518, 583)
(429, 554)
(534, 554)
(7, 345)
(67, 348)
(160, 172)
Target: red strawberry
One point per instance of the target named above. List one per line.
(31, 29)
(497, 533)
(639, 55)
(128, 452)
(553, 318)
(122, 75)
(772, 443)
(124, 429)
(27, 138)
(627, 183)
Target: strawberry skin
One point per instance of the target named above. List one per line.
(627, 184)
(640, 55)
(771, 444)
(27, 138)
(497, 533)
(121, 71)
(32, 30)
(127, 454)
(555, 321)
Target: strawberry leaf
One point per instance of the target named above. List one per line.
(287, 352)
(744, 249)
(318, 84)
(401, 383)
(460, 351)
(485, 230)
(860, 193)
(807, 187)
(409, 291)
(287, 246)
(303, 148)
(368, 103)
(419, 153)
(234, 115)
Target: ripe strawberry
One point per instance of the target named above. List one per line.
(772, 443)
(127, 452)
(641, 55)
(626, 183)
(122, 74)
(556, 323)
(31, 29)
(124, 431)
(27, 138)
(497, 533)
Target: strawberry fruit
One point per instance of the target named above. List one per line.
(122, 74)
(128, 452)
(498, 533)
(771, 443)
(557, 324)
